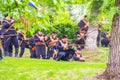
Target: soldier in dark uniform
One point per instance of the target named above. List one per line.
(99, 34)
(1, 45)
(77, 56)
(83, 24)
(51, 45)
(22, 42)
(8, 29)
(106, 40)
(80, 42)
(62, 47)
(40, 45)
(32, 47)
(69, 52)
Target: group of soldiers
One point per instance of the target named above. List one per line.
(40, 45)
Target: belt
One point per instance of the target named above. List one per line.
(39, 43)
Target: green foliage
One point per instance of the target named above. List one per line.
(66, 29)
(63, 24)
(96, 5)
(107, 11)
(54, 13)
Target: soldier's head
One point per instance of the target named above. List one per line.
(78, 51)
(54, 34)
(6, 17)
(40, 32)
(78, 36)
(64, 38)
(19, 31)
(85, 17)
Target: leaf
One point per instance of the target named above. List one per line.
(55, 1)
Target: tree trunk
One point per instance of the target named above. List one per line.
(112, 71)
(113, 66)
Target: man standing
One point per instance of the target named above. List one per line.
(8, 29)
(99, 34)
(83, 24)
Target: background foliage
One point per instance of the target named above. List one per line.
(55, 16)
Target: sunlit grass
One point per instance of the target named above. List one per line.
(38, 69)
(34, 69)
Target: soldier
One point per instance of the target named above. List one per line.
(80, 42)
(62, 47)
(8, 29)
(51, 45)
(99, 34)
(1, 45)
(83, 24)
(69, 53)
(32, 47)
(22, 42)
(77, 56)
(106, 40)
(40, 45)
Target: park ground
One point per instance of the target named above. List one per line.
(38, 69)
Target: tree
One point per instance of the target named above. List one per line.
(112, 71)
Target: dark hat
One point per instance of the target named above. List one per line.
(64, 36)
(5, 15)
(54, 32)
(11, 17)
(77, 33)
(85, 16)
(78, 48)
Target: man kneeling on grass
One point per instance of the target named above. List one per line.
(78, 56)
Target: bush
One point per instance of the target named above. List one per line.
(68, 29)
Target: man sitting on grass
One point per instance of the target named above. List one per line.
(77, 56)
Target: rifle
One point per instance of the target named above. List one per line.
(8, 35)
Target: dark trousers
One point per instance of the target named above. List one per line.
(60, 56)
(98, 38)
(105, 42)
(41, 51)
(22, 49)
(32, 53)
(1, 54)
(7, 42)
(10, 50)
(50, 52)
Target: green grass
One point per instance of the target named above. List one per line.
(33, 69)
(38, 69)
(100, 55)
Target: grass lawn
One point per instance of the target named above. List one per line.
(38, 69)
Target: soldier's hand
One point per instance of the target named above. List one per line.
(12, 21)
(1, 36)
